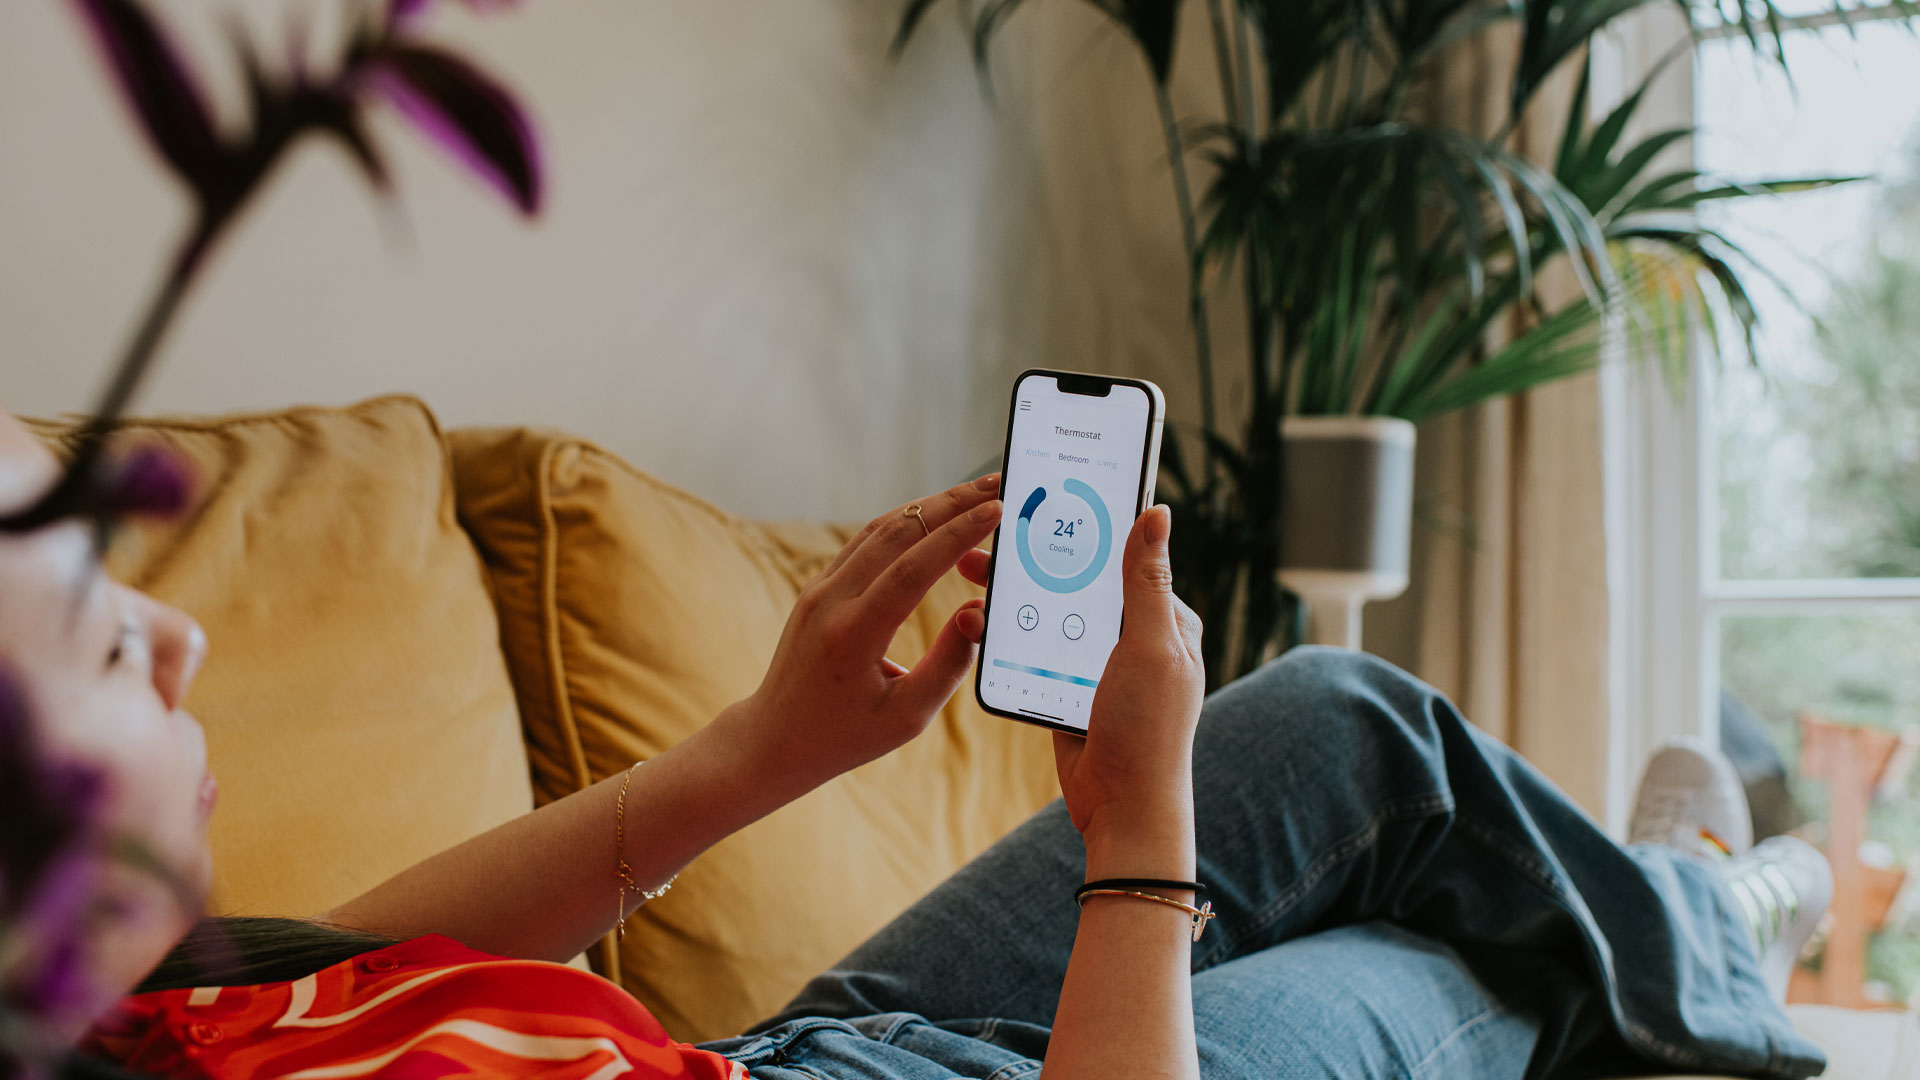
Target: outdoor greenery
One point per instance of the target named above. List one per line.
(1856, 413)
(1383, 255)
(1853, 406)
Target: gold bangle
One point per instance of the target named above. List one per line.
(621, 871)
(1201, 915)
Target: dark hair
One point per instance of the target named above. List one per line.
(239, 951)
(242, 950)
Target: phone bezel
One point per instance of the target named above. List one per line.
(1149, 469)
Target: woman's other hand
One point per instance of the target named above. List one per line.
(1129, 782)
(831, 699)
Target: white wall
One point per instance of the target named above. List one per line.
(775, 268)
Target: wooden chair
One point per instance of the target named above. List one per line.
(1858, 765)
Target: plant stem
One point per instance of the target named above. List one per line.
(1259, 324)
(1361, 41)
(160, 312)
(1329, 75)
(1190, 236)
(1507, 127)
(72, 493)
(1243, 66)
(1223, 59)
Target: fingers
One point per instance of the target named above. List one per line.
(885, 537)
(974, 566)
(939, 673)
(904, 584)
(971, 620)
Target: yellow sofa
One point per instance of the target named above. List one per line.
(416, 636)
(419, 634)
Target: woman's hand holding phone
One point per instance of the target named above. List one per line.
(831, 699)
(1129, 782)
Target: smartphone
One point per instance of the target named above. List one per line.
(1081, 457)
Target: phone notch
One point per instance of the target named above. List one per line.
(1084, 385)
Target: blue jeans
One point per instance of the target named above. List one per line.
(1399, 895)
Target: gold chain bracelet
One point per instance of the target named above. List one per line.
(1201, 915)
(621, 871)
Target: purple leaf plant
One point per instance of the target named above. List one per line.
(456, 105)
(50, 866)
(53, 850)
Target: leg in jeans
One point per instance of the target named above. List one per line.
(1332, 789)
(1336, 1004)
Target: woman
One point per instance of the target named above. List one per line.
(1396, 894)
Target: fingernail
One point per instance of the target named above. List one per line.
(1159, 524)
(988, 511)
(972, 623)
(989, 482)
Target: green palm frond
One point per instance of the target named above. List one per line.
(910, 17)
(1566, 344)
(1554, 32)
(1389, 266)
(1296, 38)
(1153, 25)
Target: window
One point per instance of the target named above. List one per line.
(1773, 563)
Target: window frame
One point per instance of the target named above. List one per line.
(1663, 482)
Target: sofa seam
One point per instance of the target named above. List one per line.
(550, 618)
(225, 423)
(555, 655)
(733, 523)
(654, 482)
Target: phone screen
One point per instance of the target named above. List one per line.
(1079, 469)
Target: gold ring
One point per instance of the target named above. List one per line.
(914, 512)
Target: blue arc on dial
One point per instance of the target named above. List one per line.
(1081, 490)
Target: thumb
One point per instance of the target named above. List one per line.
(1146, 571)
(940, 672)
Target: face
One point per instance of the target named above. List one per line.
(105, 671)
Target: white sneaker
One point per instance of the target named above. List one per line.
(1784, 886)
(1691, 799)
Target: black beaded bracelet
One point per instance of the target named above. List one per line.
(1080, 894)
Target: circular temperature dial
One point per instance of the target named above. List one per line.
(1064, 540)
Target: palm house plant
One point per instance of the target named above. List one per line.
(1384, 259)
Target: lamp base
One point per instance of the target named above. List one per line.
(1334, 597)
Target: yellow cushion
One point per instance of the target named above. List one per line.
(631, 614)
(358, 712)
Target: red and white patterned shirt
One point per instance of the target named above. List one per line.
(429, 1007)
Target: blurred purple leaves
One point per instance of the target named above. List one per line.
(56, 848)
(52, 847)
(456, 105)
(150, 482)
(468, 114)
(405, 11)
(164, 95)
(460, 108)
(50, 868)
